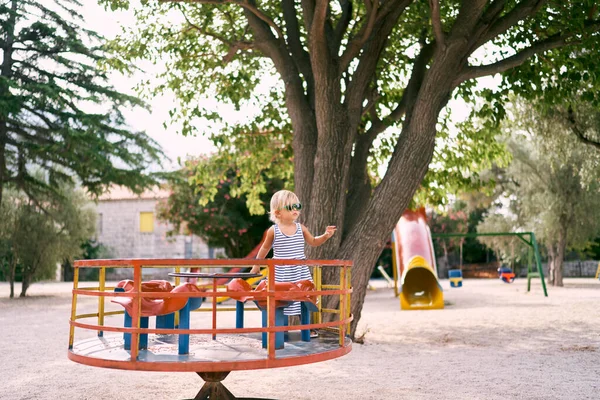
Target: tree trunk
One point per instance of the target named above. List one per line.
(560, 256)
(6, 73)
(2, 157)
(304, 144)
(551, 263)
(446, 260)
(409, 163)
(12, 273)
(25, 283)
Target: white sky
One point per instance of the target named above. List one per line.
(108, 24)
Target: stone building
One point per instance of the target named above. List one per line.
(128, 228)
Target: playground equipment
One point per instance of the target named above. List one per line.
(506, 274)
(414, 263)
(456, 278)
(197, 343)
(534, 264)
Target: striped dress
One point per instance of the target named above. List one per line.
(290, 247)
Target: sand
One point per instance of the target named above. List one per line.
(492, 341)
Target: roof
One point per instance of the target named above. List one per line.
(124, 193)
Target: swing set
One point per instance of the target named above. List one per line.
(534, 262)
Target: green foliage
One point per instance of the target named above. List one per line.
(225, 221)
(554, 181)
(91, 250)
(508, 249)
(454, 221)
(461, 155)
(207, 53)
(461, 217)
(57, 111)
(42, 234)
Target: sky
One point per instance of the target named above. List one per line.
(108, 24)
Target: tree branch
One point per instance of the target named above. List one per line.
(234, 46)
(343, 23)
(577, 131)
(436, 22)
(244, 4)
(410, 92)
(372, 52)
(319, 16)
(553, 42)
(469, 14)
(361, 38)
(299, 55)
(497, 26)
(308, 10)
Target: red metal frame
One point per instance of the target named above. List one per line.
(270, 361)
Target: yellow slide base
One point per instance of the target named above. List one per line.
(421, 290)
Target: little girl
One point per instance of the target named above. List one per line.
(287, 237)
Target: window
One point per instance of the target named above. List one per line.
(146, 222)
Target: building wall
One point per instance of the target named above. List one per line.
(119, 230)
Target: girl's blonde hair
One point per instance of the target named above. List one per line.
(279, 200)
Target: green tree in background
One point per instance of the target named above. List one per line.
(40, 238)
(90, 250)
(223, 222)
(555, 186)
(10, 212)
(57, 111)
(359, 83)
(454, 220)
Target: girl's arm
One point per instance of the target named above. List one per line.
(264, 249)
(319, 240)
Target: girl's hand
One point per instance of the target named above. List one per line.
(330, 230)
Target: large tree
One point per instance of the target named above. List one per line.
(357, 81)
(553, 187)
(58, 113)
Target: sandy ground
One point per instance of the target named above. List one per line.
(492, 341)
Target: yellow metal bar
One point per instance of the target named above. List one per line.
(597, 271)
(318, 281)
(342, 306)
(330, 310)
(137, 310)
(96, 314)
(395, 268)
(73, 307)
(348, 296)
(177, 270)
(101, 288)
(330, 286)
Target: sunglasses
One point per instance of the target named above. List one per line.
(294, 207)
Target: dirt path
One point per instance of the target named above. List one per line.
(493, 341)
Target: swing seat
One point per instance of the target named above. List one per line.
(506, 275)
(455, 277)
